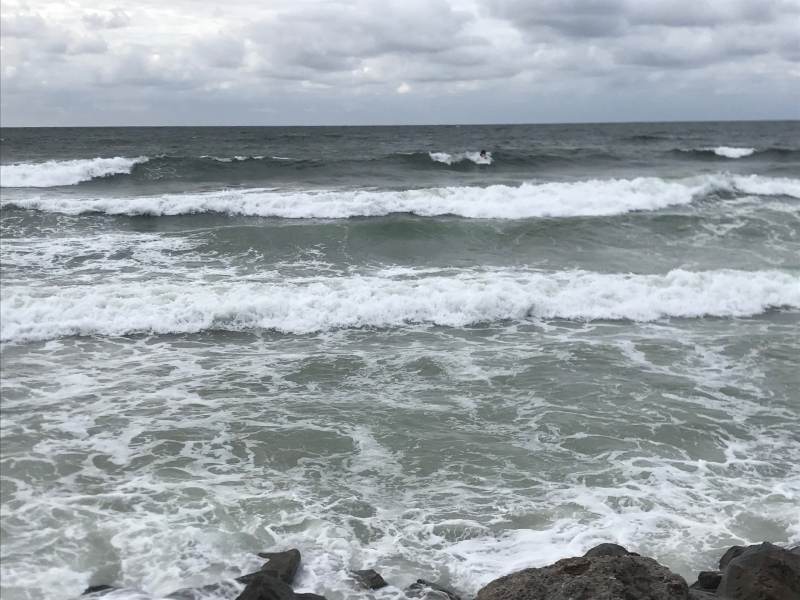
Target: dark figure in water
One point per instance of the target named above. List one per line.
(483, 153)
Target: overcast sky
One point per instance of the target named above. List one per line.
(278, 62)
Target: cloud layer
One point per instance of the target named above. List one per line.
(363, 61)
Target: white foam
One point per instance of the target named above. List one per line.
(455, 299)
(450, 159)
(557, 199)
(64, 172)
(731, 152)
(237, 158)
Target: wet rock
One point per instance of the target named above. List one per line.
(606, 549)
(98, 590)
(707, 581)
(729, 555)
(265, 586)
(596, 577)
(308, 596)
(430, 591)
(701, 595)
(370, 579)
(282, 565)
(761, 572)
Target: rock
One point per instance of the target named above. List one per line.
(729, 555)
(98, 590)
(283, 565)
(795, 550)
(707, 581)
(606, 550)
(308, 596)
(370, 579)
(430, 591)
(701, 595)
(761, 572)
(596, 577)
(265, 586)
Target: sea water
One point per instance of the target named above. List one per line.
(379, 346)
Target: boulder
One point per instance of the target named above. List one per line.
(594, 577)
(707, 581)
(761, 572)
(430, 591)
(265, 586)
(282, 565)
(606, 549)
(370, 579)
(729, 555)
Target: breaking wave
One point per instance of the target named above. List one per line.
(449, 159)
(55, 173)
(529, 200)
(389, 298)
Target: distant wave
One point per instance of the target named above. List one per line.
(734, 152)
(449, 159)
(64, 172)
(558, 199)
(389, 299)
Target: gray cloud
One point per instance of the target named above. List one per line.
(315, 61)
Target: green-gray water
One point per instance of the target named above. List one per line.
(377, 346)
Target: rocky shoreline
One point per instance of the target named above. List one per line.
(606, 572)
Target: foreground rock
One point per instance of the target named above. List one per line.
(604, 573)
(370, 579)
(761, 572)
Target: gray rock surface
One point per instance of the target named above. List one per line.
(761, 572)
(370, 579)
(591, 578)
(425, 590)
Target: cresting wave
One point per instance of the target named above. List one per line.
(449, 159)
(389, 298)
(529, 200)
(55, 173)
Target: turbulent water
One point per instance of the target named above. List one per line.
(386, 350)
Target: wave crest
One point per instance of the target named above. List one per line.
(450, 159)
(557, 199)
(55, 173)
(391, 298)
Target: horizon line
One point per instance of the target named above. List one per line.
(499, 124)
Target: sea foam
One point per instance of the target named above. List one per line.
(450, 159)
(529, 200)
(386, 299)
(731, 152)
(64, 172)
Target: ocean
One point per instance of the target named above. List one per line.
(382, 348)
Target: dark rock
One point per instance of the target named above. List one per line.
(599, 578)
(97, 589)
(701, 595)
(729, 555)
(308, 596)
(707, 581)
(606, 550)
(430, 591)
(282, 565)
(761, 572)
(795, 550)
(370, 579)
(265, 586)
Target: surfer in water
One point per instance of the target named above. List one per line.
(483, 154)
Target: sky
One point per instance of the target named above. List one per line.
(362, 62)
